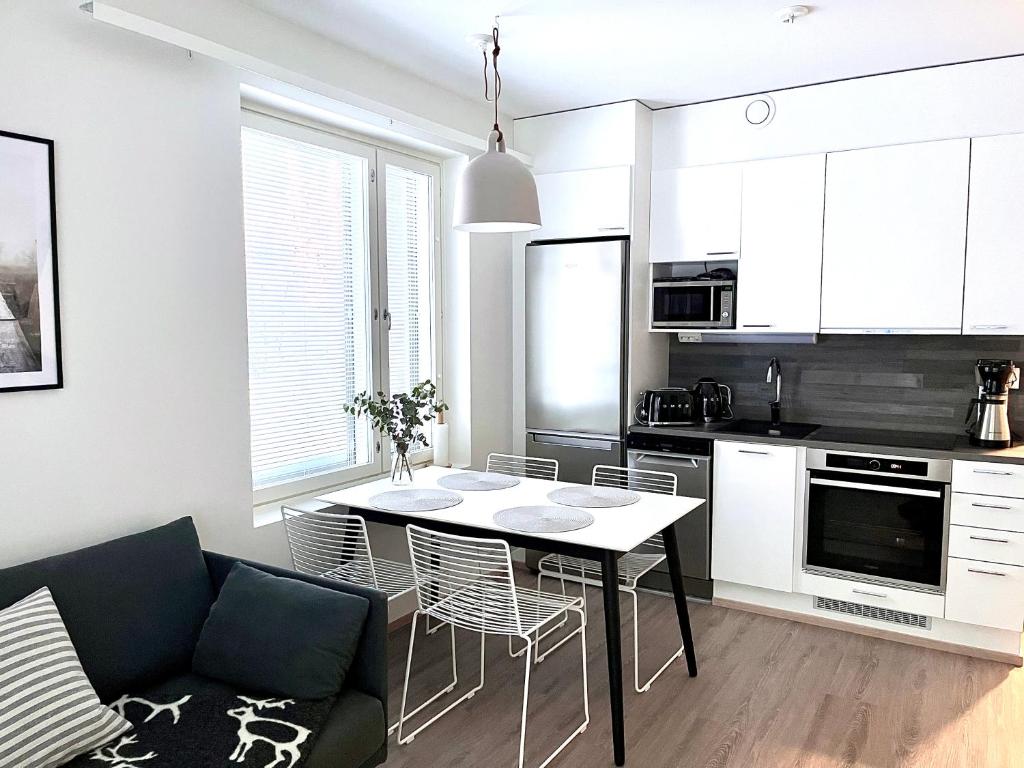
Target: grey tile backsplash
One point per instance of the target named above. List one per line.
(921, 383)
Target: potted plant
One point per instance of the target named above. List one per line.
(401, 417)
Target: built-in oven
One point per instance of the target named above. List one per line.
(692, 303)
(879, 519)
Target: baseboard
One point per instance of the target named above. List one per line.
(1013, 659)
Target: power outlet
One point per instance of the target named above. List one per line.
(689, 337)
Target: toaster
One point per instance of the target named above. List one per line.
(671, 406)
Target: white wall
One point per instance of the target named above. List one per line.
(490, 329)
(153, 421)
(958, 101)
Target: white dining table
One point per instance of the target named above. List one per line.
(615, 531)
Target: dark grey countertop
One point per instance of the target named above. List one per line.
(962, 450)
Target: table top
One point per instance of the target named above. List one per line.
(619, 529)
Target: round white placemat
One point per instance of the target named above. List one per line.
(415, 500)
(594, 496)
(543, 519)
(478, 481)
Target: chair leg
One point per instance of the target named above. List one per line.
(526, 701)
(636, 648)
(586, 698)
(405, 690)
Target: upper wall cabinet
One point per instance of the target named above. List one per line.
(591, 203)
(779, 287)
(993, 301)
(895, 229)
(695, 213)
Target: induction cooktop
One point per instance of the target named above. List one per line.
(887, 437)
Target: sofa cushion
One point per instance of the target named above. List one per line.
(281, 636)
(48, 711)
(355, 730)
(133, 606)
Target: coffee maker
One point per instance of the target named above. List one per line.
(989, 423)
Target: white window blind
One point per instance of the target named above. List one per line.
(410, 251)
(307, 265)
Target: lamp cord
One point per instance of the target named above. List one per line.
(497, 80)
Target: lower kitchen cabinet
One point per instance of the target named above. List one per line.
(988, 594)
(754, 518)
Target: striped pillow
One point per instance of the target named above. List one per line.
(49, 712)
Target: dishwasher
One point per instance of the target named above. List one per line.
(689, 459)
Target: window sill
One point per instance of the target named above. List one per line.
(270, 514)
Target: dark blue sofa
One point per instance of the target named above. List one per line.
(134, 608)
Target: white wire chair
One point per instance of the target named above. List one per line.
(522, 466)
(468, 583)
(337, 546)
(539, 469)
(632, 566)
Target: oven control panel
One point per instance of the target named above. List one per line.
(885, 465)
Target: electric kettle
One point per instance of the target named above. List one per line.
(713, 401)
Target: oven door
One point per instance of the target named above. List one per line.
(685, 305)
(886, 530)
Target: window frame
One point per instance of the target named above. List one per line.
(377, 157)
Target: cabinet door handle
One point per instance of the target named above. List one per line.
(987, 538)
(990, 506)
(987, 573)
(758, 325)
(754, 453)
(993, 472)
(869, 594)
(989, 327)
(720, 253)
(610, 229)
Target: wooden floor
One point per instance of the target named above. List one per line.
(770, 692)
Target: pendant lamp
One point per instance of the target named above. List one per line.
(496, 193)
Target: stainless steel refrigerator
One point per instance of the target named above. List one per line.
(577, 305)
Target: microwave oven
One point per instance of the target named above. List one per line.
(691, 303)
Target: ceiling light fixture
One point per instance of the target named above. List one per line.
(497, 193)
(791, 13)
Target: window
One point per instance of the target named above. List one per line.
(340, 265)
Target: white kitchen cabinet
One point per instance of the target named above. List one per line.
(989, 478)
(695, 213)
(754, 514)
(779, 288)
(895, 231)
(995, 238)
(988, 594)
(590, 203)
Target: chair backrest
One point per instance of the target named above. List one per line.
(523, 466)
(329, 544)
(465, 581)
(644, 480)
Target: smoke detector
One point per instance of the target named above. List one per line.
(791, 13)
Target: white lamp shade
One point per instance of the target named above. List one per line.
(497, 193)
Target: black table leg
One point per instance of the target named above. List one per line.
(675, 573)
(613, 635)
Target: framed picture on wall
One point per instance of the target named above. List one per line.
(29, 313)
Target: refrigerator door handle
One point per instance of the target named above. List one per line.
(574, 442)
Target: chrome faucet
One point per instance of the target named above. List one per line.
(774, 369)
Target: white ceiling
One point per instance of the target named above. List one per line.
(559, 54)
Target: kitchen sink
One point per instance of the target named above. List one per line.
(792, 430)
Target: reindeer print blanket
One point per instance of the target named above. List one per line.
(194, 722)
